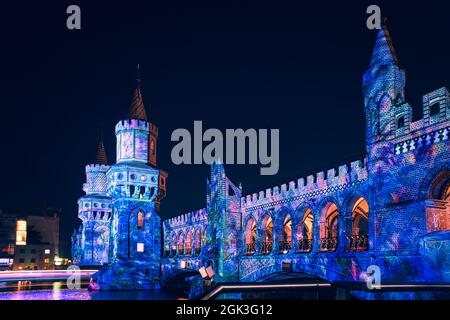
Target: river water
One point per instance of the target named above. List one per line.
(57, 291)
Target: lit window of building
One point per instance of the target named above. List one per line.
(47, 251)
(140, 247)
(21, 232)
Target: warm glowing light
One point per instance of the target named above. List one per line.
(21, 232)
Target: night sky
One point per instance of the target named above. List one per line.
(294, 67)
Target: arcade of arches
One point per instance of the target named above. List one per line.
(259, 236)
(293, 233)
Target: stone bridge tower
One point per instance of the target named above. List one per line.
(224, 214)
(94, 210)
(136, 186)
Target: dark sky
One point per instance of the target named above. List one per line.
(297, 67)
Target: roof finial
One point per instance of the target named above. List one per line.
(138, 74)
(137, 110)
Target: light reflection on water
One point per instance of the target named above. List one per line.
(58, 292)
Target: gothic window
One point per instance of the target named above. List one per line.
(435, 109)
(286, 239)
(188, 246)
(180, 245)
(329, 228)
(267, 237)
(250, 237)
(400, 122)
(140, 220)
(305, 232)
(197, 243)
(152, 147)
(438, 203)
(358, 240)
(141, 192)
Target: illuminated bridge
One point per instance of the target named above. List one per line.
(390, 209)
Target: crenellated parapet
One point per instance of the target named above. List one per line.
(132, 140)
(96, 181)
(436, 112)
(190, 218)
(319, 184)
(433, 128)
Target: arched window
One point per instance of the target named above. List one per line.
(173, 245)
(197, 243)
(250, 237)
(204, 237)
(329, 228)
(305, 232)
(181, 245)
(437, 203)
(446, 193)
(140, 220)
(435, 109)
(400, 122)
(359, 240)
(286, 240)
(267, 244)
(188, 248)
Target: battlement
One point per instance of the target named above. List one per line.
(320, 181)
(153, 129)
(130, 124)
(192, 217)
(96, 168)
(436, 110)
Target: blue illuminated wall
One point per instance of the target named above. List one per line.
(390, 209)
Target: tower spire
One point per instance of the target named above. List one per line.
(137, 109)
(384, 52)
(101, 153)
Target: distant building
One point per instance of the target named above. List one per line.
(29, 239)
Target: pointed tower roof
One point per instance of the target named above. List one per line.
(101, 154)
(137, 109)
(384, 52)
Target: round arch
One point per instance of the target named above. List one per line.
(329, 225)
(266, 234)
(250, 235)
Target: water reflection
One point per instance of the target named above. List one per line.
(58, 291)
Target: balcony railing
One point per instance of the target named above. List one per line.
(304, 245)
(266, 247)
(196, 251)
(188, 252)
(328, 244)
(284, 247)
(250, 248)
(358, 243)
